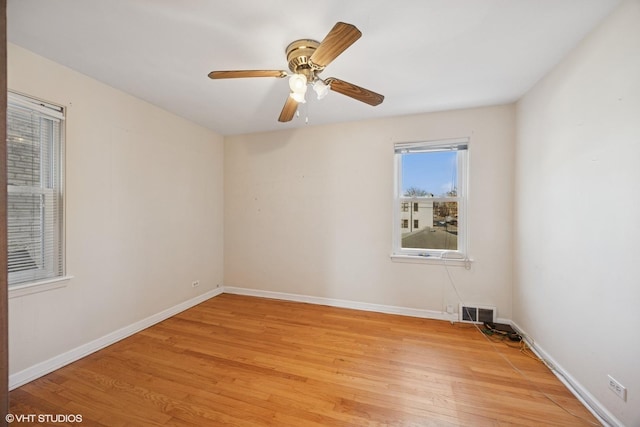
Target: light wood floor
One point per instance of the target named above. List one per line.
(244, 361)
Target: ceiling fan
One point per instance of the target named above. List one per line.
(307, 59)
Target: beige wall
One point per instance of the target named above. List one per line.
(143, 213)
(308, 211)
(577, 212)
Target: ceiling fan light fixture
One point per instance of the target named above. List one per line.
(320, 88)
(298, 83)
(298, 97)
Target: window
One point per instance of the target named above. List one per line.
(34, 190)
(432, 177)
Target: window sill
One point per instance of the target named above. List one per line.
(36, 287)
(433, 259)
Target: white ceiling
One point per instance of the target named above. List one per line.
(423, 55)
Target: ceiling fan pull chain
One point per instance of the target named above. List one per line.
(306, 113)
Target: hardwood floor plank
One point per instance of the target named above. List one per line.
(244, 361)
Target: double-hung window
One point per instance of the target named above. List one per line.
(431, 178)
(34, 191)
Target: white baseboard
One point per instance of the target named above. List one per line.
(57, 362)
(355, 305)
(581, 393)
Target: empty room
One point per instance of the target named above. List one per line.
(362, 213)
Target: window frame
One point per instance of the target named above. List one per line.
(462, 146)
(52, 273)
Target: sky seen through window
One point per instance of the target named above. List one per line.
(434, 172)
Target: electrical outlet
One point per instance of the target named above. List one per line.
(195, 283)
(617, 388)
(449, 309)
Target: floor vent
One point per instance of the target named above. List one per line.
(477, 313)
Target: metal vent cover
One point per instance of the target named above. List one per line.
(472, 313)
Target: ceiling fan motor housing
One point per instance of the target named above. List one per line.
(298, 54)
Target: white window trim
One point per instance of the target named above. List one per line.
(55, 112)
(37, 287)
(458, 257)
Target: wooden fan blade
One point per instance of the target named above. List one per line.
(339, 38)
(355, 92)
(236, 74)
(289, 109)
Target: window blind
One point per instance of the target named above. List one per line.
(34, 190)
(442, 145)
